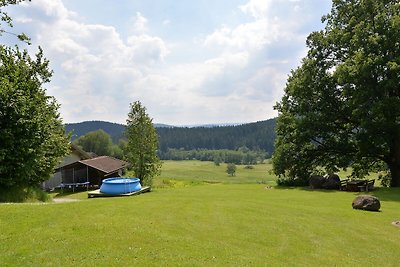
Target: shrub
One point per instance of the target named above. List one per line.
(291, 181)
(27, 194)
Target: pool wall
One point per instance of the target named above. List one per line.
(118, 185)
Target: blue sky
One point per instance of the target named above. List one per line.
(188, 62)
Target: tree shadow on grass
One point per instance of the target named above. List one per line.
(383, 193)
(68, 192)
(304, 188)
(386, 193)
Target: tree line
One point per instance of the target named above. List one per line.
(255, 136)
(242, 144)
(258, 136)
(100, 143)
(241, 156)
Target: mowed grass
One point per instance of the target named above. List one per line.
(224, 224)
(207, 172)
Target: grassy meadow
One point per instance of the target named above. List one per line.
(195, 172)
(200, 216)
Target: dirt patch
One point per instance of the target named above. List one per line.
(65, 200)
(396, 223)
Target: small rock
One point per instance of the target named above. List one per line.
(396, 223)
(365, 202)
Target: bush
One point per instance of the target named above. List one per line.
(291, 181)
(231, 169)
(384, 178)
(28, 194)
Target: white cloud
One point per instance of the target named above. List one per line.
(237, 74)
(257, 8)
(147, 49)
(92, 64)
(140, 24)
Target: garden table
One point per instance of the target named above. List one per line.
(354, 185)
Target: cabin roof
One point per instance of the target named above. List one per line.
(104, 164)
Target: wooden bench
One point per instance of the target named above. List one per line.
(370, 185)
(343, 185)
(367, 186)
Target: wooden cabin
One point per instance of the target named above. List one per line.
(75, 155)
(91, 171)
(82, 168)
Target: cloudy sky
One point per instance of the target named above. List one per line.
(187, 61)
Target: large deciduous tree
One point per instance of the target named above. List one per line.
(142, 144)
(32, 136)
(342, 105)
(98, 142)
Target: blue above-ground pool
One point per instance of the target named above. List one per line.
(117, 186)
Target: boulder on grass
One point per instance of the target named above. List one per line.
(316, 181)
(332, 182)
(365, 202)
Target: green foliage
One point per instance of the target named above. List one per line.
(284, 181)
(142, 144)
(217, 159)
(384, 179)
(115, 130)
(257, 136)
(23, 194)
(8, 20)
(218, 156)
(231, 169)
(98, 142)
(32, 136)
(342, 105)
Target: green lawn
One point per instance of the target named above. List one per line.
(224, 224)
(206, 172)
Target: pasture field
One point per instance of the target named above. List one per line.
(194, 171)
(203, 224)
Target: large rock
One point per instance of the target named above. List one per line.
(332, 182)
(316, 181)
(365, 202)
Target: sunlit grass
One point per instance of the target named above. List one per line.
(198, 215)
(208, 172)
(205, 225)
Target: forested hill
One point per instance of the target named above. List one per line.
(115, 130)
(257, 135)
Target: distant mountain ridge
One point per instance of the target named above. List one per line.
(256, 135)
(115, 130)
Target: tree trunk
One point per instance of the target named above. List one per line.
(395, 174)
(394, 164)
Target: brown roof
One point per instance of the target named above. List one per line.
(82, 154)
(105, 164)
